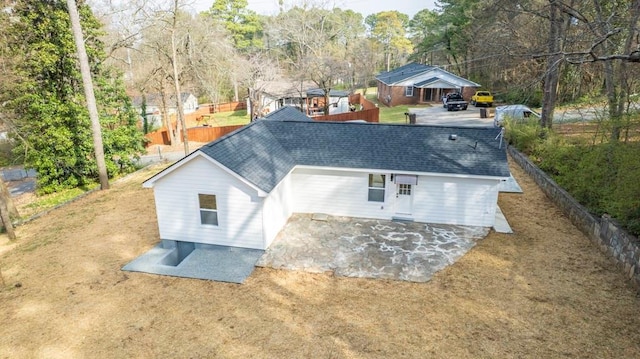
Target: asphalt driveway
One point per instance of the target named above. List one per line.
(439, 116)
(369, 248)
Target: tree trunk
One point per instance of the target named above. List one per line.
(6, 221)
(236, 96)
(6, 196)
(552, 73)
(8, 210)
(623, 81)
(166, 120)
(388, 60)
(85, 70)
(176, 79)
(5, 199)
(327, 100)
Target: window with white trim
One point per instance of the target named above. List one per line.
(408, 91)
(208, 209)
(376, 187)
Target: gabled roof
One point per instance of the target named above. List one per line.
(264, 152)
(287, 113)
(283, 88)
(427, 82)
(403, 72)
(418, 75)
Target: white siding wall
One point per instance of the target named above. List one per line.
(190, 104)
(339, 193)
(341, 107)
(269, 104)
(278, 207)
(462, 201)
(177, 207)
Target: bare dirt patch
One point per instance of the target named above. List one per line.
(544, 292)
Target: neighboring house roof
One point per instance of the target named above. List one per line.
(418, 75)
(295, 89)
(283, 88)
(435, 82)
(427, 82)
(264, 152)
(287, 113)
(332, 93)
(403, 72)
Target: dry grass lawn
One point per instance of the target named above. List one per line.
(544, 292)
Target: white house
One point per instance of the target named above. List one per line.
(269, 96)
(154, 106)
(241, 189)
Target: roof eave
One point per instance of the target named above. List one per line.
(149, 183)
(399, 171)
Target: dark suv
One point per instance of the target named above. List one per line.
(455, 101)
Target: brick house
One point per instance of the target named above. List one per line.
(416, 83)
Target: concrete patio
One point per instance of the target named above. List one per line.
(356, 247)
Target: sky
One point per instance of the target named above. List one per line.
(365, 7)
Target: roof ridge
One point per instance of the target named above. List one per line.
(225, 137)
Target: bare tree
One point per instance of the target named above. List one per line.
(176, 76)
(312, 44)
(261, 70)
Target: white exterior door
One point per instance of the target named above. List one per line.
(404, 198)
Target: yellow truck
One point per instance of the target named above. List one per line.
(482, 98)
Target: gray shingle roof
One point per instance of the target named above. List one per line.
(287, 113)
(265, 151)
(427, 81)
(403, 72)
(332, 93)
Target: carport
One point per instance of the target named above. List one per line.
(432, 89)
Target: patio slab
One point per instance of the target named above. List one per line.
(369, 248)
(218, 263)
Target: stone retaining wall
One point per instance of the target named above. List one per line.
(610, 237)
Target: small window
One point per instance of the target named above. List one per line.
(376, 187)
(208, 209)
(404, 189)
(408, 91)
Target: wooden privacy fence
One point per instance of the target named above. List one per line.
(227, 107)
(369, 112)
(159, 137)
(357, 98)
(372, 115)
(195, 134)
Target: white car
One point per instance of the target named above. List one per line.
(514, 112)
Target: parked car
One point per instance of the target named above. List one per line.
(513, 112)
(455, 101)
(482, 98)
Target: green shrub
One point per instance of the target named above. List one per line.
(525, 136)
(525, 96)
(603, 177)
